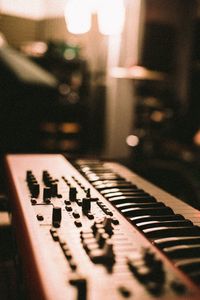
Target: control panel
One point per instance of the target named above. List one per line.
(75, 244)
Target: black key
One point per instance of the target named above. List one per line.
(154, 224)
(136, 199)
(149, 218)
(173, 241)
(140, 205)
(155, 233)
(189, 265)
(183, 251)
(195, 276)
(133, 212)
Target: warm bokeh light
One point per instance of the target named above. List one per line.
(197, 138)
(111, 14)
(78, 16)
(132, 140)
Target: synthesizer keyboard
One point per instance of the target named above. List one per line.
(93, 230)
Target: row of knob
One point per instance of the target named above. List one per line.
(98, 244)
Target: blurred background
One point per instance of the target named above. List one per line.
(120, 80)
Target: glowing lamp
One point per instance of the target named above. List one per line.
(78, 16)
(111, 15)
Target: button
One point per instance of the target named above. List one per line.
(56, 216)
(79, 202)
(108, 212)
(40, 217)
(88, 194)
(68, 208)
(67, 202)
(90, 216)
(54, 234)
(115, 221)
(126, 293)
(78, 223)
(73, 265)
(67, 253)
(178, 287)
(76, 214)
(33, 201)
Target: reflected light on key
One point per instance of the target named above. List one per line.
(132, 140)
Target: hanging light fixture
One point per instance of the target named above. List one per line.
(78, 16)
(110, 14)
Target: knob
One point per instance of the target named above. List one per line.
(56, 216)
(81, 284)
(88, 194)
(35, 189)
(86, 205)
(96, 226)
(107, 224)
(109, 248)
(28, 174)
(46, 193)
(72, 193)
(101, 237)
(54, 189)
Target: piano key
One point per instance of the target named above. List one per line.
(183, 251)
(94, 177)
(195, 276)
(113, 185)
(159, 232)
(133, 212)
(116, 182)
(140, 205)
(153, 224)
(188, 265)
(137, 192)
(115, 190)
(173, 241)
(154, 218)
(136, 199)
